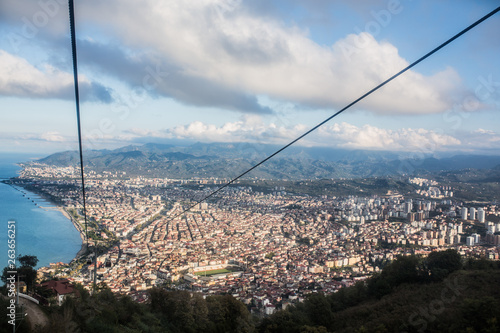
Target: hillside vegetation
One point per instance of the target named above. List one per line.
(295, 163)
(439, 293)
(410, 295)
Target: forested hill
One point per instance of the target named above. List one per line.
(223, 160)
(404, 298)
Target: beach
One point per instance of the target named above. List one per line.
(64, 212)
(77, 226)
(43, 232)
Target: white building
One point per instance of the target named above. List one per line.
(481, 215)
(477, 238)
(472, 213)
(463, 213)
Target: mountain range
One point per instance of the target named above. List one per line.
(227, 160)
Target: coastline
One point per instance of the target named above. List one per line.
(62, 209)
(78, 227)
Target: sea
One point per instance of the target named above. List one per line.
(40, 229)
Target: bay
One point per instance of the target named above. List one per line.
(44, 232)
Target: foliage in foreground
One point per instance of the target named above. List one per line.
(167, 311)
(26, 271)
(411, 294)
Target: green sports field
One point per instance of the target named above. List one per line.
(212, 272)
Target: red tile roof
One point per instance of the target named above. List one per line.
(60, 287)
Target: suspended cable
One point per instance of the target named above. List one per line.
(77, 102)
(484, 18)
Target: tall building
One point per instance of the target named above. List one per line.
(408, 207)
(463, 213)
(472, 213)
(469, 241)
(419, 216)
(476, 238)
(481, 215)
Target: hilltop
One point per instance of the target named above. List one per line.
(224, 160)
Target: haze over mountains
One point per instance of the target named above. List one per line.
(223, 160)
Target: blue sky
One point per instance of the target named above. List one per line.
(250, 71)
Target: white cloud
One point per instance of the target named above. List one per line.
(342, 135)
(220, 53)
(50, 136)
(482, 138)
(250, 129)
(21, 79)
(53, 136)
(38, 144)
(369, 137)
(484, 131)
(219, 41)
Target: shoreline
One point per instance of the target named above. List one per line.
(62, 209)
(78, 227)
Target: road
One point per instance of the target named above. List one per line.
(35, 315)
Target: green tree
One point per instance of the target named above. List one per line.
(442, 263)
(319, 310)
(104, 312)
(378, 286)
(280, 322)
(313, 329)
(228, 314)
(28, 261)
(481, 314)
(26, 272)
(405, 269)
(480, 264)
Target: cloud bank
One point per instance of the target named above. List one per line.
(340, 135)
(21, 79)
(222, 53)
(221, 44)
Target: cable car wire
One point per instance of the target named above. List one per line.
(427, 55)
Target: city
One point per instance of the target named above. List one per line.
(268, 250)
(250, 166)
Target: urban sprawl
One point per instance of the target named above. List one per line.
(266, 249)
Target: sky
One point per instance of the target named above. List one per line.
(255, 71)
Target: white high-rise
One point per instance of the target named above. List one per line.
(477, 238)
(481, 215)
(463, 213)
(472, 213)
